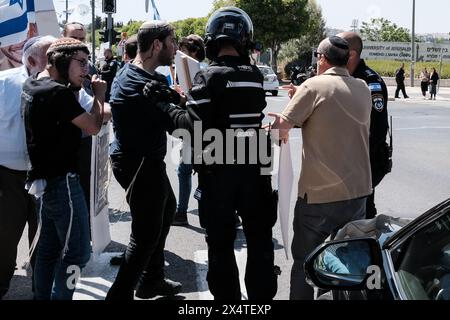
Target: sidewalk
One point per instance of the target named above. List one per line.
(415, 93)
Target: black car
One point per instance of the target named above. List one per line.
(386, 258)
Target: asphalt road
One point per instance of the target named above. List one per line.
(420, 179)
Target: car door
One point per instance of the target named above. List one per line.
(417, 258)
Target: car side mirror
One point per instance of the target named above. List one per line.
(353, 264)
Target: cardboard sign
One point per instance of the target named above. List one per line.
(99, 211)
(186, 69)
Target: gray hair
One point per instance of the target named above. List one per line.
(35, 47)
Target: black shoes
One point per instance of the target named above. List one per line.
(180, 219)
(163, 287)
(117, 260)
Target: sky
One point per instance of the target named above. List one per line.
(170, 10)
(432, 16)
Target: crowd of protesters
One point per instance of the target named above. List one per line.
(58, 100)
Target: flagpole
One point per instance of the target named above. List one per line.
(93, 31)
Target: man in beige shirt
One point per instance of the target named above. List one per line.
(333, 110)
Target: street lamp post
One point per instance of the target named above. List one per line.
(93, 30)
(413, 40)
(67, 11)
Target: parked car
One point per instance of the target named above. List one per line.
(386, 258)
(271, 82)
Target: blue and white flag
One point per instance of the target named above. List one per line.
(156, 15)
(15, 17)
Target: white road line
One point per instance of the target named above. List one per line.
(96, 278)
(201, 261)
(422, 128)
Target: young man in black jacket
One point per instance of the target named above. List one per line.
(137, 160)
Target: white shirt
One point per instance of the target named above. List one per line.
(85, 100)
(13, 147)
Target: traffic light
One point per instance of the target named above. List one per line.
(103, 36)
(114, 36)
(109, 6)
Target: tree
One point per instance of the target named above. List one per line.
(98, 22)
(276, 21)
(132, 27)
(381, 29)
(217, 4)
(189, 26)
(299, 51)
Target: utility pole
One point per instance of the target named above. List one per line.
(413, 41)
(67, 11)
(109, 27)
(93, 30)
(354, 25)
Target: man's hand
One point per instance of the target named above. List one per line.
(98, 86)
(292, 89)
(158, 92)
(280, 127)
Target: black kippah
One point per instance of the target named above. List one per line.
(339, 42)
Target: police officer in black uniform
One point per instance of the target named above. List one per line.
(108, 71)
(380, 151)
(229, 95)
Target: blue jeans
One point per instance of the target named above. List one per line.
(64, 244)
(184, 172)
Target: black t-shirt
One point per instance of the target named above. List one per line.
(52, 139)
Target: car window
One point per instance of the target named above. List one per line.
(423, 265)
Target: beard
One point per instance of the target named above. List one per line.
(165, 57)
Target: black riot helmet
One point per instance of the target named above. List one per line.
(230, 25)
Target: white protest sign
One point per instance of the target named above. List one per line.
(186, 69)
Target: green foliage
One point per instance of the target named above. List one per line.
(387, 68)
(217, 4)
(189, 26)
(299, 51)
(132, 27)
(99, 24)
(381, 29)
(276, 21)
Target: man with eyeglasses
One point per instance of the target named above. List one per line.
(76, 30)
(54, 120)
(333, 110)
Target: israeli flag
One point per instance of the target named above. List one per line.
(156, 15)
(15, 16)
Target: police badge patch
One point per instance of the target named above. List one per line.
(378, 102)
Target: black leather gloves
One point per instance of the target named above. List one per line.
(161, 95)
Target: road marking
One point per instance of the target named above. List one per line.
(97, 277)
(201, 262)
(422, 128)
